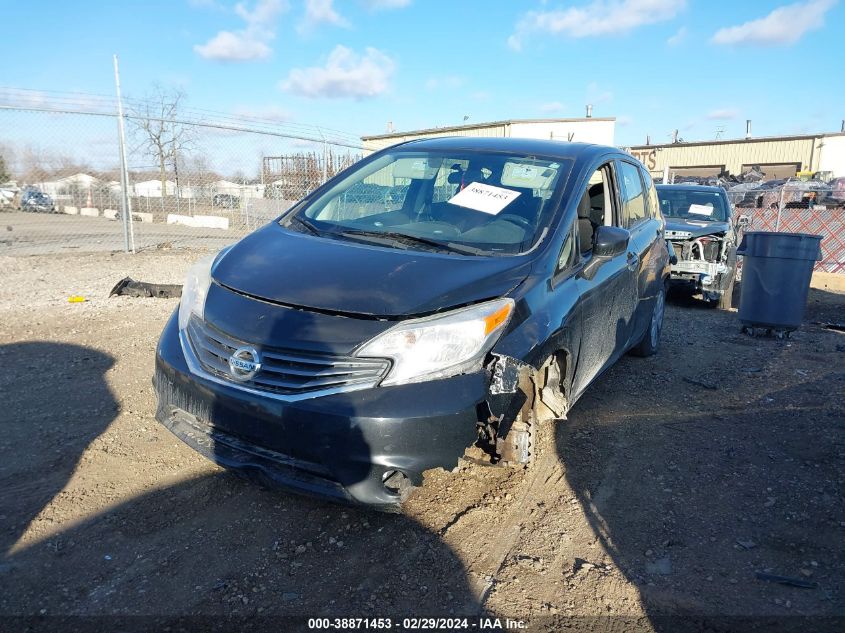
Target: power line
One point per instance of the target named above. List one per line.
(91, 103)
(218, 126)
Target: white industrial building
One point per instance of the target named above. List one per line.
(59, 186)
(152, 188)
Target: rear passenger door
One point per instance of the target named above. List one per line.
(641, 217)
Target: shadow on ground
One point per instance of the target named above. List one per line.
(740, 479)
(210, 546)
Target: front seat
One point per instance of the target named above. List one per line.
(586, 229)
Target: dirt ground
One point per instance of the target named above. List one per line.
(674, 482)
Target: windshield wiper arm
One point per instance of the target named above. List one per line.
(305, 223)
(394, 237)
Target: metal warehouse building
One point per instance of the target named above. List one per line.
(584, 130)
(777, 156)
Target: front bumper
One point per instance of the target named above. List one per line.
(338, 446)
(704, 276)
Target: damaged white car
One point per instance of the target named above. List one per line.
(701, 229)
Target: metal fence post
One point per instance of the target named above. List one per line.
(780, 209)
(128, 233)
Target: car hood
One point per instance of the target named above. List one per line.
(295, 269)
(696, 229)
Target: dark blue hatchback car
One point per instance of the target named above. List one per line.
(438, 294)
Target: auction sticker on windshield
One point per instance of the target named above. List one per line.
(701, 209)
(485, 198)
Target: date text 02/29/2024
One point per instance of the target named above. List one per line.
(416, 624)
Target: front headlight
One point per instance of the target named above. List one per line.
(194, 291)
(441, 345)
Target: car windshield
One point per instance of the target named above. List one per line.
(686, 204)
(474, 203)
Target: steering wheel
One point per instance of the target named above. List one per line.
(516, 219)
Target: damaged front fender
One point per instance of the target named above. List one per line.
(520, 396)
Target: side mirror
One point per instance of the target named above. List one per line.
(743, 220)
(610, 241)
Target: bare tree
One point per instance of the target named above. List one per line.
(162, 137)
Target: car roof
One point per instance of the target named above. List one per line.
(555, 149)
(686, 187)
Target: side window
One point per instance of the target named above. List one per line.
(567, 253)
(653, 208)
(633, 196)
(595, 207)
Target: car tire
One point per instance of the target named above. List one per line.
(651, 338)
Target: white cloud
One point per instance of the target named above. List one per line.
(264, 11)
(450, 82)
(624, 120)
(233, 47)
(599, 17)
(319, 12)
(784, 25)
(346, 74)
(378, 5)
(723, 114)
(679, 36)
(250, 43)
(552, 107)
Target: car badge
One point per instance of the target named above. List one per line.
(244, 363)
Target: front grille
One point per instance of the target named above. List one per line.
(284, 372)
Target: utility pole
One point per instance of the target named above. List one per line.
(126, 209)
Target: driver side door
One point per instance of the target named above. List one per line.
(606, 284)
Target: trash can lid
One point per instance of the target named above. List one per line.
(810, 235)
(804, 246)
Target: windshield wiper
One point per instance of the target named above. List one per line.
(305, 223)
(394, 238)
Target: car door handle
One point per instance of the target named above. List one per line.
(633, 261)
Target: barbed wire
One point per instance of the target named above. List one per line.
(101, 105)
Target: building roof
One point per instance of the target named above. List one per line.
(78, 176)
(476, 126)
(730, 141)
(688, 186)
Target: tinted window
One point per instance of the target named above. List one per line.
(651, 195)
(633, 197)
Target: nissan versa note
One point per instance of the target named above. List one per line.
(437, 294)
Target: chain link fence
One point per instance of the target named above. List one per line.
(798, 207)
(213, 183)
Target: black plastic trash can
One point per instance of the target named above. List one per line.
(776, 273)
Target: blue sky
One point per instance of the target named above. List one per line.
(354, 65)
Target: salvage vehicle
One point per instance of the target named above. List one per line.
(226, 201)
(700, 227)
(438, 294)
(37, 202)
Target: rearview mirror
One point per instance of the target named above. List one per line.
(610, 241)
